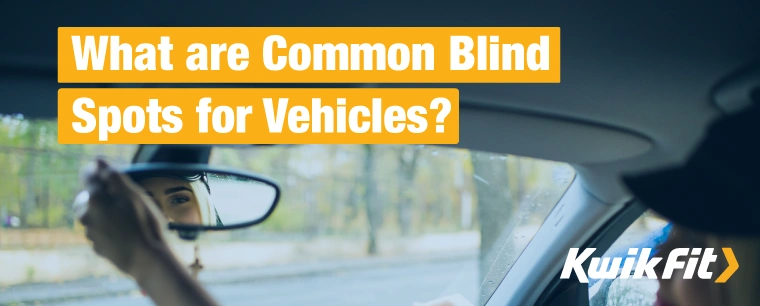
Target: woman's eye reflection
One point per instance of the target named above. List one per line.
(179, 200)
(175, 197)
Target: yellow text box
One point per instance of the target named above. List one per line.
(258, 116)
(309, 55)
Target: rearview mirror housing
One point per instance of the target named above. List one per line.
(199, 197)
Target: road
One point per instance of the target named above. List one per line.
(386, 285)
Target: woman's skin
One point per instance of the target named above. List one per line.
(175, 197)
(127, 229)
(678, 291)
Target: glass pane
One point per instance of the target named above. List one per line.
(43, 252)
(648, 231)
(633, 292)
(357, 225)
(388, 225)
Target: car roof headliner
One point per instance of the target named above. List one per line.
(636, 77)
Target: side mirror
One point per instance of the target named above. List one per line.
(198, 197)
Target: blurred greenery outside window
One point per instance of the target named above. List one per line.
(377, 193)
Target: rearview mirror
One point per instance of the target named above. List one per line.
(196, 197)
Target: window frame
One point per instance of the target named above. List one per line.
(540, 264)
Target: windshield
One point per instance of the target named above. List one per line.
(356, 224)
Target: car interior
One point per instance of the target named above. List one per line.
(640, 83)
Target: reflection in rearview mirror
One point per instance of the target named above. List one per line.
(240, 200)
(207, 198)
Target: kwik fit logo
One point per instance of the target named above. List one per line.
(639, 264)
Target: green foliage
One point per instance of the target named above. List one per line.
(41, 174)
(284, 220)
(417, 189)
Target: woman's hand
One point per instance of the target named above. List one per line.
(451, 300)
(126, 227)
(121, 221)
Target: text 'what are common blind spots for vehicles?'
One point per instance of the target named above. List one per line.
(309, 55)
(287, 55)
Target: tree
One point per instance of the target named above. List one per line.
(494, 214)
(30, 199)
(408, 156)
(373, 212)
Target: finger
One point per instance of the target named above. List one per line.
(88, 213)
(93, 218)
(155, 223)
(97, 248)
(81, 204)
(86, 219)
(93, 184)
(104, 189)
(116, 183)
(88, 233)
(92, 174)
(98, 240)
(97, 196)
(96, 175)
(86, 172)
(156, 214)
(109, 177)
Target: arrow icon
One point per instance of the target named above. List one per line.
(733, 265)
